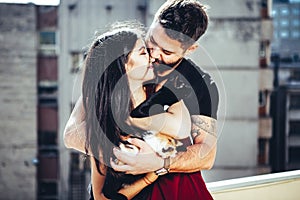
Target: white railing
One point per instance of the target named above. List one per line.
(275, 186)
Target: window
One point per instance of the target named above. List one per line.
(48, 42)
(47, 138)
(274, 13)
(47, 37)
(262, 49)
(284, 34)
(295, 11)
(296, 22)
(47, 188)
(294, 103)
(47, 91)
(284, 23)
(284, 11)
(295, 34)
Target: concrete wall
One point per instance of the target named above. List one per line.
(18, 143)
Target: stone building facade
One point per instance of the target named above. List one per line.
(29, 118)
(18, 124)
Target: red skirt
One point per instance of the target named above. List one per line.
(180, 186)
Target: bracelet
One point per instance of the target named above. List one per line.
(147, 181)
(165, 169)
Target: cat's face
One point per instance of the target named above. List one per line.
(164, 145)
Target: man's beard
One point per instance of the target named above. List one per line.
(160, 67)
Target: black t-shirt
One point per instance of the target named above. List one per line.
(188, 82)
(203, 98)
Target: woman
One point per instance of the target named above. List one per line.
(116, 67)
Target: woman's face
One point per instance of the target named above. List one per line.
(138, 66)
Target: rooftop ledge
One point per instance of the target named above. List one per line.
(284, 185)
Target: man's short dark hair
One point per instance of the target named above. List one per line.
(184, 20)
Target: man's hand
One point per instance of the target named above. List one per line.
(145, 161)
(199, 156)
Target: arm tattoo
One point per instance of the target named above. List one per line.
(202, 123)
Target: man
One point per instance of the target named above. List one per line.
(169, 53)
(173, 34)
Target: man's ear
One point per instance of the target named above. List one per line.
(191, 49)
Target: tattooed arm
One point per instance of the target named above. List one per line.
(199, 156)
(204, 132)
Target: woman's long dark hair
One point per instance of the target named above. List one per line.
(105, 91)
